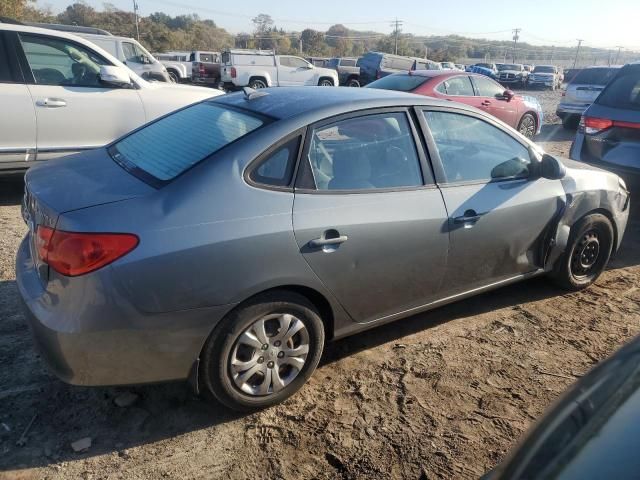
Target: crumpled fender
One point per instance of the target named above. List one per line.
(586, 193)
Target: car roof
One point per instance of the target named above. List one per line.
(322, 102)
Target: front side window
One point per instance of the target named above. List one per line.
(55, 61)
(166, 148)
(473, 150)
(5, 70)
(296, 62)
(458, 86)
(487, 87)
(207, 57)
(133, 53)
(365, 153)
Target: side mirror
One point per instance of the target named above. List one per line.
(310, 66)
(551, 168)
(115, 76)
(508, 95)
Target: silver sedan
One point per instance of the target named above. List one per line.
(227, 242)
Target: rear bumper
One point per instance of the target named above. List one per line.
(93, 337)
(571, 108)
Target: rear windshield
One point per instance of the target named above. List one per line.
(166, 148)
(623, 93)
(402, 83)
(595, 76)
(543, 69)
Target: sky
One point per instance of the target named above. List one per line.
(543, 22)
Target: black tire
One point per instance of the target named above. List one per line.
(325, 82)
(590, 244)
(353, 82)
(528, 125)
(173, 75)
(215, 371)
(257, 83)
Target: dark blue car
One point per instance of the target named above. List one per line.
(609, 132)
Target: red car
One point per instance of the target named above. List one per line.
(521, 112)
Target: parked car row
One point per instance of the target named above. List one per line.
(545, 76)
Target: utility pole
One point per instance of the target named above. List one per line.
(135, 12)
(396, 24)
(516, 37)
(300, 44)
(617, 55)
(575, 61)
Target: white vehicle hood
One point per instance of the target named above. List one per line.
(160, 98)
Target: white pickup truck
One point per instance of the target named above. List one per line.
(261, 69)
(177, 64)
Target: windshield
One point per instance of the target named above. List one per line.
(543, 69)
(485, 65)
(623, 93)
(595, 76)
(402, 83)
(168, 147)
(510, 67)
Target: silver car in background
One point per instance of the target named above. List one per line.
(226, 242)
(581, 92)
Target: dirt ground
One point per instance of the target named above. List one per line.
(439, 395)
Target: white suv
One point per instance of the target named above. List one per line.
(61, 94)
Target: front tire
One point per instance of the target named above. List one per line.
(353, 82)
(173, 76)
(325, 82)
(587, 253)
(263, 352)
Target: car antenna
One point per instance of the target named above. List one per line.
(251, 94)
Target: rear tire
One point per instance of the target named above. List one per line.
(325, 82)
(173, 76)
(587, 253)
(353, 82)
(257, 83)
(241, 373)
(528, 125)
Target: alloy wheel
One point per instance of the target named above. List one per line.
(528, 126)
(269, 354)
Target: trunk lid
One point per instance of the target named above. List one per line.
(79, 181)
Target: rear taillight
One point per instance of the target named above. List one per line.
(234, 72)
(73, 254)
(594, 125)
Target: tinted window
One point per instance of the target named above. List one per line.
(277, 168)
(166, 148)
(365, 153)
(487, 87)
(207, 57)
(490, 66)
(459, 86)
(595, 76)
(543, 69)
(5, 71)
(402, 82)
(333, 63)
(624, 93)
(472, 149)
(347, 62)
(61, 62)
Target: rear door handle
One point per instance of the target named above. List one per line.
(486, 103)
(322, 242)
(470, 216)
(51, 103)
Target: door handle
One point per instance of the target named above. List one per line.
(470, 216)
(486, 103)
(323, 242)
(51, 103)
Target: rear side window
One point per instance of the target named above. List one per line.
(623, 93)
(168, 147)
(401, 83)
(5, 71)
(365, 153)
(595, 76)
(457, 86)
(277, 168)
(399, 63)
(207, 57)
